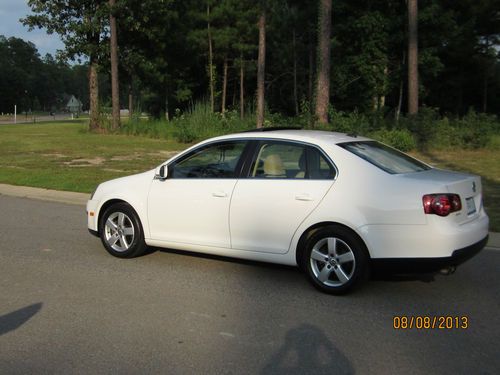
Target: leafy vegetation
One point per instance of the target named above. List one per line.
(174, 53)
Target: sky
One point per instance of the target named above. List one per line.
(10, 13)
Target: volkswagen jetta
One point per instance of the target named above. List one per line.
(331, 203)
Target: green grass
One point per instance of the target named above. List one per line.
(64, 156)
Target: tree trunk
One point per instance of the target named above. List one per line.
(381, 99)
(311, 73)
(130, 100)
(115, 94)
(224, 86)
(412, 57)
(485, 91)
(485, 79)
(242, 89)
(323, 80)
(375, 103)
(261, 65)
(400, 99)
(233, 101)
(94, 94)
(167, 116)
(295, 94)
(210, 61)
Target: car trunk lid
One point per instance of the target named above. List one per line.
(467, 186)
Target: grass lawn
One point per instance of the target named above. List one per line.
(64, 156)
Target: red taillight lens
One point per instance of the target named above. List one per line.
(441, 204)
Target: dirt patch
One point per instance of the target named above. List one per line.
(85, 162)
(165, 154)
(133, 156)
(113, 170)
(55, 155)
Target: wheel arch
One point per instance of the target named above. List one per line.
(301, 244)
(105, 206)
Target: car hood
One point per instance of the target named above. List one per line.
(127, 183)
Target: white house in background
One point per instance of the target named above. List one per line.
(74, 106)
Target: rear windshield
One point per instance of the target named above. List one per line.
(384, 157)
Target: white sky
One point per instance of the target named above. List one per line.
(10, 13)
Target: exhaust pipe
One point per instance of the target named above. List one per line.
(448, 270)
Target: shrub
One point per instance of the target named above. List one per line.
(401, 139)
(476, 129)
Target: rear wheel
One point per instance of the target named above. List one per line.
(121, 231)
(335, 259)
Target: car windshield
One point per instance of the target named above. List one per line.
(386, 158)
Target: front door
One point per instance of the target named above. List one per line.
(192, 205)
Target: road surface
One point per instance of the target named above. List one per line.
(66, 306)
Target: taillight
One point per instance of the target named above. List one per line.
(441, 204)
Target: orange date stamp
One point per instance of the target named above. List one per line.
(422, 322)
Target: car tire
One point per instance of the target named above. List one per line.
(121, 231)
(335, 259)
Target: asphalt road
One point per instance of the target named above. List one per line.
(66, 306)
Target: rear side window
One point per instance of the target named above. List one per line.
(289, 160)
(386, 158)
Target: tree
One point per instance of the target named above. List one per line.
(323, 78)
(211, 76)
(115, 91)
(261, 65)
(412, 57)
(80, 26)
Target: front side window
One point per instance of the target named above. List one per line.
(287, 160)
(386, 158)
(213, 161)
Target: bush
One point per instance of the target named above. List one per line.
(472, 131)
(401, 139)
(426, 130)
(476, 129)
(348, 122)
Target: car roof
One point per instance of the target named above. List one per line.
(309, 136)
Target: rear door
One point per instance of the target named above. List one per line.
(284, 182)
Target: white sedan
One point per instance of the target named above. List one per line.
(333, 204)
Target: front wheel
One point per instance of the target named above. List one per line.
(121, 231)
(335, 259)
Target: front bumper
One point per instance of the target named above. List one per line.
(418, 265)
(92, 207)
(94, 232)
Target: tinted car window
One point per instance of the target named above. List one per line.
(287, 160)
(384, 157)
(214, 161)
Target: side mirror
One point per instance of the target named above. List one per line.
(161, 172)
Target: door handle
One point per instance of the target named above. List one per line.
(304, 197)
(219, 194)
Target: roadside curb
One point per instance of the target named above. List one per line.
(494, 240)
(45, 194)
(80, 199)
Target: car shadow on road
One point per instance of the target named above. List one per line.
(12, 321)
(376, 274)
(222, 258)
(307, 350)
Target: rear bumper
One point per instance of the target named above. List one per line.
(417, 265)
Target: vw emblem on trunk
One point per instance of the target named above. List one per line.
(474, 186)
